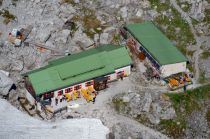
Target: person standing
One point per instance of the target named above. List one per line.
(94, 99)
(56, 101)
(185, 86)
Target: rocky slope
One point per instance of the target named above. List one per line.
(72, 25)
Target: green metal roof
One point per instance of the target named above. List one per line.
(79, 67)
(158, 45)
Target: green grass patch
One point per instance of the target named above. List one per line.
(8, 17)
(205, 55)
(184, 36)
(207, 16)
(190, 53)
(142, 118)
(119, 105)
(69, 2)
(202, 78)
(89, 21)
(14, 2)
(194, 22)
(156, 4)
(116, 39)
(74, 28)
(186, 7)
(184, 104)
(190, 67)
(208, 117)
(1, 2)
(91, 25)
(173, 128)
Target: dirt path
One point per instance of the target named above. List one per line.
(103, 110)
(198, 44)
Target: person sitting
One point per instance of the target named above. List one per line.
(56, 101)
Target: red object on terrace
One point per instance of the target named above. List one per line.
(60, 93)
(67, 90)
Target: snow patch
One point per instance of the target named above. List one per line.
(15, 124)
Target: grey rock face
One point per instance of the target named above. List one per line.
(104, 38)
(5, 83)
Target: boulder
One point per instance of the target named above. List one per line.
(96, 38)
(152, 13)
(139, 13)
(82, 39)
(147, 102)
(126, 99)
(62, 36)
(124, 12)
(104, 38)
(69, 25)
(109, 29)
(44, 36)
(154, 119)
(169, 113)
(17, 65)
(5, 84)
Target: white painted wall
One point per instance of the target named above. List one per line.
(29, 97)
(112, 76)
(167, 70)
(127, 71)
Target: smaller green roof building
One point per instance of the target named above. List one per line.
(156, 43)
(77, 68)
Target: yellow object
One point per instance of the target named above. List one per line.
(75, 95)
(188, 80)
(86, 95)
(68, 97)
(181, 82)
(91, 89)
(49, 108)
(173, 82)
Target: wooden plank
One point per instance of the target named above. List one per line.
(46, 47)
(26, 106)
(60, 110)
(180, 86)
(25, 32)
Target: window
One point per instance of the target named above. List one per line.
(48, 95)
(67, 90)
(109, 78)
(60, 93)
(77, 87)
(89, 83)
(120, 74)
(141, 49)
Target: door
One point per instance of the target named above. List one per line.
(100, 83)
